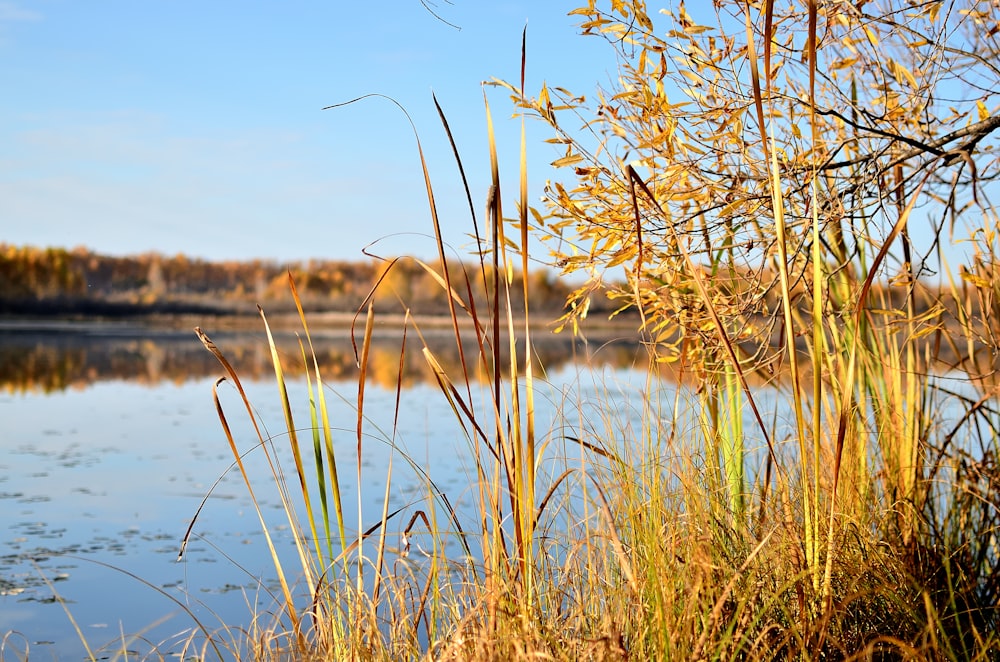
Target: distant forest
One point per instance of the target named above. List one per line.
(78, 283)
(58, 281)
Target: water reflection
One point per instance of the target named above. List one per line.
(52, 358)
(109, 439)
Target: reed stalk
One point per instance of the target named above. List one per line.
(660, 538)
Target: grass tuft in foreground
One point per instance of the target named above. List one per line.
(805, 488)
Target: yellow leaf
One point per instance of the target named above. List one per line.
(901, 70)
(693, 77)
(567, 160)
(975, 280)
(984, 113)
(872, 37)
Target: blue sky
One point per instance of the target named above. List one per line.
(196, 127)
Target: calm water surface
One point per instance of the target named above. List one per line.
(109, 440)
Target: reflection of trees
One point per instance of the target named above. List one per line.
(53, 361)
(49, 361)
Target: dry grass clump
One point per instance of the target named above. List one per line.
(807, 488)
(638, 553)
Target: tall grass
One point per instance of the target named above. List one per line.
(685, 525)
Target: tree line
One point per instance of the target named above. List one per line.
(79, 280)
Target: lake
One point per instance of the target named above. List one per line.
(111, 440)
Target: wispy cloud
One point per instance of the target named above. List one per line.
(11, 12)
(131, 181)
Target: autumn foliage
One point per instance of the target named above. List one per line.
(837, 115)
(56, 281)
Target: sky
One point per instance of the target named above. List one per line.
(198, 127)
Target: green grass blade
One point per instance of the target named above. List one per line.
(293, 441)
(331, 458)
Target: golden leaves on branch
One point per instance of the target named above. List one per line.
(678, 114)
